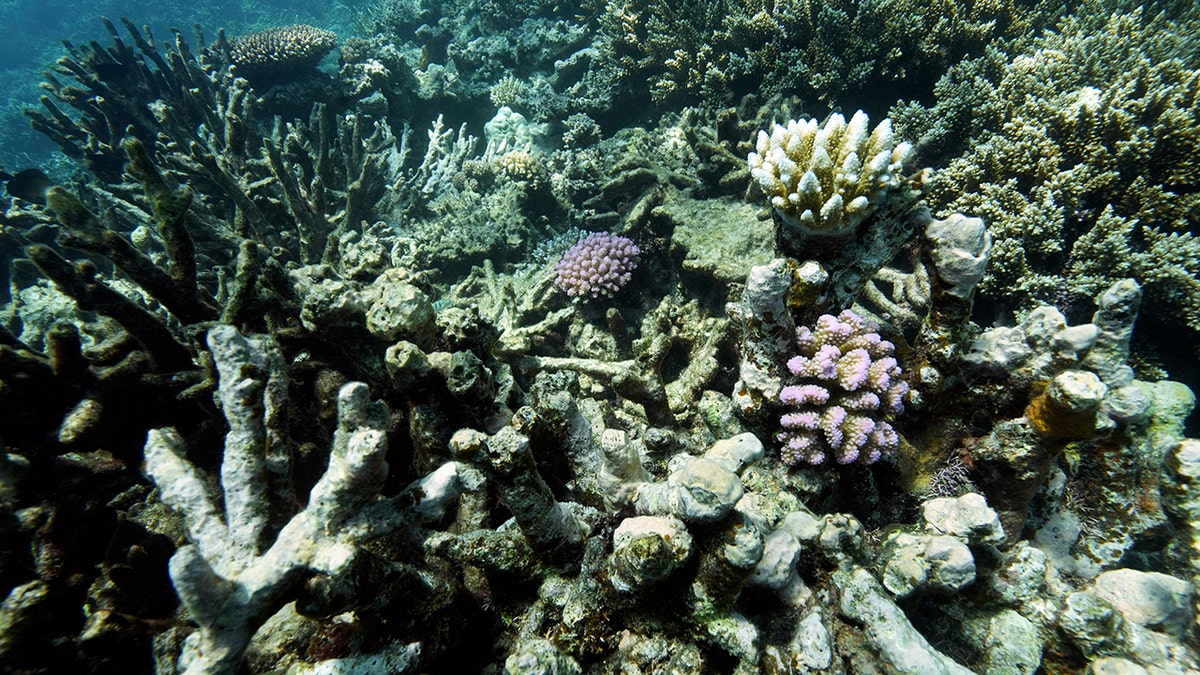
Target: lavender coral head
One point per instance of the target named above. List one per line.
(847, 390)
(600, 264)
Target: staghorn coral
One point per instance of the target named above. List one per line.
(120, 317)
(208, 130)
(848, 388)
(106, 93)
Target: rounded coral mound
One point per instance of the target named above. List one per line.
(848, 389)
(282, 50)
(600, 264)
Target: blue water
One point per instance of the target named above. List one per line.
(34, 32)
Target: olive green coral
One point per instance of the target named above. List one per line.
(1086, 166)
(819, 50)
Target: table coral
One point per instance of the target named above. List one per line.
(280, 51)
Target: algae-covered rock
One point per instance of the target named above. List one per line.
(646, 550)
(1115, 665)
(1093, 624)
(1011, 644)
(1151, 599)
(897, 644)
(960, 252)
(923, 562)
(398, 310)
(540, 657)
(717, 239)
(967, 517)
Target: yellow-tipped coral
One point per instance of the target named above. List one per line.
(826, 179)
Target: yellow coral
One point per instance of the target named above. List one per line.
(521, 165)
(509, 91)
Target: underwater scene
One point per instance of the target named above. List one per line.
(619, 337)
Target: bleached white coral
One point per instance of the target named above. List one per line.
(230, 575)
(826, 179)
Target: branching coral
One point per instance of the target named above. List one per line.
(598, 265)
(228, 577)
(1087, 166)
(206, 131)
(848, 386)
(826, 179)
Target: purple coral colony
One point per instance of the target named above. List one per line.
(848, 388)
(604, 338)
(598, 265)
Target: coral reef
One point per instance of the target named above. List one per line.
(821, 51)
(1094, 192)
(360, 369)
(228, 578)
